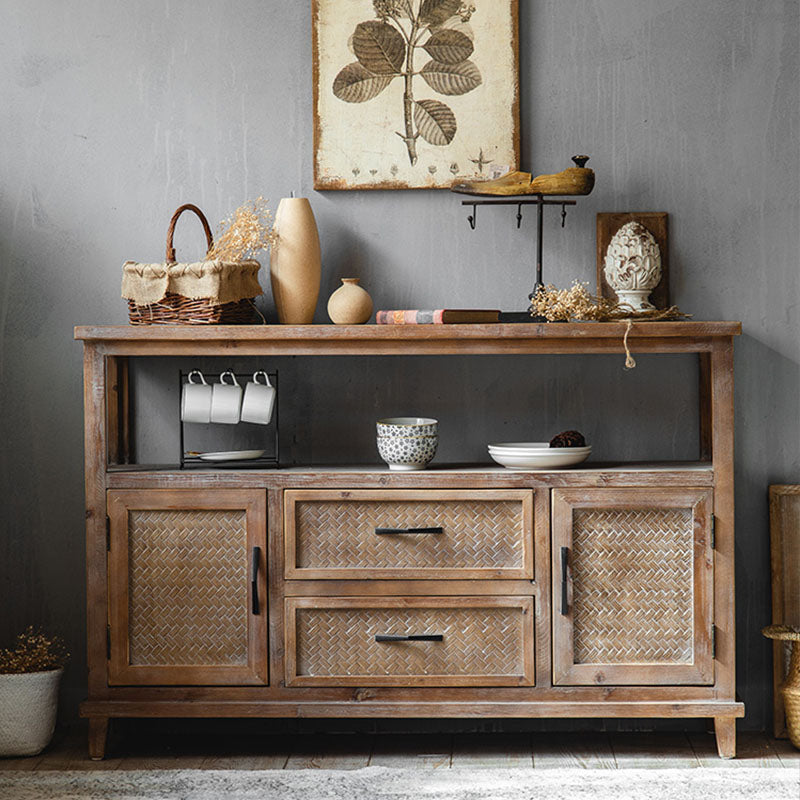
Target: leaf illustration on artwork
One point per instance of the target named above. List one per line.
(387, 47)
(379, 47)
(449, 46)
(435, 12)
(436, 122)
(355, 84)
(452, 79)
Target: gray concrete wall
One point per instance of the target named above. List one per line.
(112, 114)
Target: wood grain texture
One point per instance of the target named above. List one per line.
(784, 526)
(722, 429)
(653, 751)
(470, 709)
(502, 334)
(572, 751)
(255, 340)
(659, 474)
(725, 731)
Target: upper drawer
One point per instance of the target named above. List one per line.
(380, 533)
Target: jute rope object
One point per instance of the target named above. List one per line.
(209, 292)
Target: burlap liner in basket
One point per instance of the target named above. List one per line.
(218, 281)
(203, 292)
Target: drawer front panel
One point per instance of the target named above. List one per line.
(476, 641)
(375, 533)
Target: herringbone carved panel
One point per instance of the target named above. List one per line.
(477, 641)
(187, 588)
(633, 585)
(477, 534)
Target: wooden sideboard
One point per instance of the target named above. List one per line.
(599, 591)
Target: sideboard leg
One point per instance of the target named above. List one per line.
(98, 735)
(725, 729)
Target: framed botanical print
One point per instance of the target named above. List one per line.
(414, 94)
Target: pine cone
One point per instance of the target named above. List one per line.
(568, 439)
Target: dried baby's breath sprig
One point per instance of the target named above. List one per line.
(576, 303)
(245, 233)
(562, 305)
(33, 652)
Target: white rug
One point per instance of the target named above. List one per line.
(382, 783)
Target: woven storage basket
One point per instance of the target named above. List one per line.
(202, 293)
(28, 707)
(791, 686)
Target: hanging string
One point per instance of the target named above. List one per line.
(630, 361)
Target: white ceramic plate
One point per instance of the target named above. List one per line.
(531, 447)
(552, 458)
(232, 455)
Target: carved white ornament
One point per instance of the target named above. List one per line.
(633, 265)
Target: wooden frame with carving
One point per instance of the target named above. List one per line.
(608, 223)
(414, 94)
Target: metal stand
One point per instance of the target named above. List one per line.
(268, 460)
(540, 202)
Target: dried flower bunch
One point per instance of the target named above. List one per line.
(562, 305)
(33, 652)
(244, 234)
(575, 303)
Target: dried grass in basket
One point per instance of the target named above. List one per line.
(210, 292)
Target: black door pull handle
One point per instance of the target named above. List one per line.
(254, 579)
(388, 531)
(434, 637)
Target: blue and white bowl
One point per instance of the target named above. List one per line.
(407, 453)
(407, 426)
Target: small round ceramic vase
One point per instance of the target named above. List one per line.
(350, 304)
(633, 265)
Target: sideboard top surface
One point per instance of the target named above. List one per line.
(690, 336)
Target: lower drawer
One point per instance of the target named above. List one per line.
(451, 641)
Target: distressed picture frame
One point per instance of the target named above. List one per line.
(414, 94)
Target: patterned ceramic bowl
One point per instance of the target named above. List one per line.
(407, 453)
(408, 426)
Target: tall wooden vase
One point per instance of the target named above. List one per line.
(295, 262)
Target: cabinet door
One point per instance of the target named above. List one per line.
(187, 592)
(632, 586)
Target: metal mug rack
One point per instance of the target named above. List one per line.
(271, 457)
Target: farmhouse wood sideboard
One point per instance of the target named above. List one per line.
(598, 591)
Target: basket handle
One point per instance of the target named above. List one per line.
(171, 230)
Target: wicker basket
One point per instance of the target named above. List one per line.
(205, 293)
(791, 686)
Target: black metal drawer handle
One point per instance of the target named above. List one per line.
(435, 637)
(254, 579)
(389, 531)
(564, 592)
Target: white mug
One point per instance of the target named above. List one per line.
(226, 400)
(259, 400)
(196, 399)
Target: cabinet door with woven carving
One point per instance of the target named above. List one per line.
(632, 587)
(187, 591)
